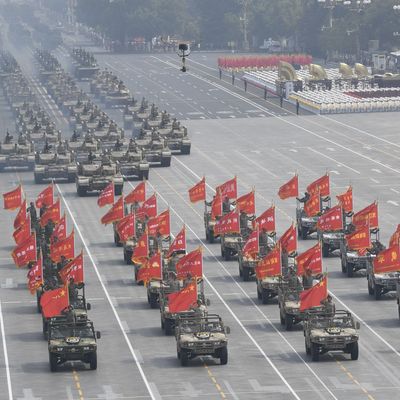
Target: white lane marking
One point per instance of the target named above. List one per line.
(5, 351)
(395, 203)
(147, 383)
(378, 171)
(332, 159)
(394, 190)
(374, 180)
(250, 300)
(256, 163)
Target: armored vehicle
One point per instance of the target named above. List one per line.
(131, 163)
(230, 245)
(54, 165)
(331, 332)
(267, 288)
(155, 151)
(72, 341)
(209, 225)
(15, 155)
(330, 241)
(198, 336)
(305, 225)
(118, 97)
(177, 140)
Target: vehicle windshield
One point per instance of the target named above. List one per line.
(199, 326)
(334, 322)
(60, 331)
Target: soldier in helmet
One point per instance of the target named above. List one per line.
(132, 145)
(72, 291)
(305, 198)
(42, 210)
(91, 157)
(74, 136)
(308, 279)
(155, 135)
(199, 308)
(62, 263)
(329, 305)
(22, 139)
(226, 205)
(32, 212)
(61, 149)
(118, 145)
(8, 138)
(47, 147)
(48, 230)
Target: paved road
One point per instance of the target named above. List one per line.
(135, 359)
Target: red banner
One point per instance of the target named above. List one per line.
(25, 252)
(159, 225)
(198, 191)
(191, 263)
(346, 200)
(270, 265)
(229, 223)
(64, 248)
(360, 239)
(179, 243)
(228, 189)
(60, 230)
(182, 300)
(216, 207)
(367, 216)
(106, 196)
(395, 238)
(52, 213)
(35, 276)
(138, 194)
(73, 270)
(247, 203)
(313, 206)
(151, 269)
(23, 232)
(266, 221)
(252, 245)
(148, 209)
(53, 302)
(289, 189)
(387, 260)
(45, 197)
(310, 259)
(313, 297)
(321, 185)
(13, 199)
(288, 241)
(126, 227)
(115, 213)
(331, 220)
(142, 249)
(21, 216)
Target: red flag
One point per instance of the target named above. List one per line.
(310, 259)
(395, 238)
(73, 270)
(52, 213)
(288, 241)
(216, 207)
(252, 245)
(198, 191)
(313, 297)
(35, 276)
(53, 302)
(289, 189)
(368, 215)
(126, 227)
(45, 197)
(149, 208)
(182, 300)
(360, 239)
(331, 220)
(313, 205)
(266, 220)
(60, 230)
(25, 252)
(21, 216)
(321, 185)
(13, 199)
(64, 248)
(159, 225)
(228, 189)
(106, 196)
(387, 260)
(270, 265)
(229, 223)
(247, 203)
(138, 194)
(346, 200)
(151, 269)
(23, 232)
(191, 263)
(115, 213)
(142, 248)
(179, 243)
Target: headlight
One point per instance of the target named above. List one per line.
(190, 344)
(59, 348)
(321, 339)
(217, 343)
(347, 338)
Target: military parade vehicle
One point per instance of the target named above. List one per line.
(155, 151)
(209, 224)
(330, 241)
(17, 154)
(306, 225)
(230, 244)
(85, 65)
(199, 336)
(326, 332)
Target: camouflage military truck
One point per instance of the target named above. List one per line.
(156, 152)
(198, 336)
(16, 155)
(267, 288)
(131, 163)
(209, 225)
(398, 296)
(230, 245)
(330, 241)
(54, 165)
(331, 332)
(305, 225)
(70, 341)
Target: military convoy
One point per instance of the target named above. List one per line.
(17, 155)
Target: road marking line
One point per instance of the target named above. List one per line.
(5, 351)
(332, 159)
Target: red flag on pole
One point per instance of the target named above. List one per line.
(13, 199)
(159, 225)
(23, 232)
(368, 215)
(35, 276)
(53, 302)
(64, 248)
(313, 297)
(247, 203)
(198, 191)
(228, 189)
(151, 269)
(387, 260)
(191, 263)
(331, 220)
(149, 208)
(21, 216)
(289, 189)
(310, 259)
(346, 200)
(252, 245)
(313, 205)
(126, 227)
(60, 230)
(216, 207)
(179, 243)
(288, 241)
(52, 213)
(182, 300)
(270, 265)
(395, 238)
(229, 223)
(142, 249)
(360, 239)
(321, 185)
(106, 196)
(115, 213)
(25, 252)
(137, 195)
(73, 270)
(266, 220)
(45, 197)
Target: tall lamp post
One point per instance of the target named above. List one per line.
(244, 19)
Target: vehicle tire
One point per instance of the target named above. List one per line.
(223, 355)
(314, 352)
(350, 270)
(144, 175)
(246, 274)
(81, 191)
(71, 178)
(53, 362)
(38, 179)
(162, 324)
(288, 322)
(117, 240)
(378, 292)
(38, 307)
(153, 300)
(184, 358)
(265, 296)
(118, 190)
(185, 150)
(371, 289)
(308, 350)
(169, 329)
(240, 271)
(303, 233)
(354, 351)
(211, 237)
(222, 251)
(259, 295)
(325, 250)
(166, 162)
(93, 361)
(282, 318)
(44, 328)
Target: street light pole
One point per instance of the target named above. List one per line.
(245, 21)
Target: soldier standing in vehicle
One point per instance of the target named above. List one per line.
(226, 206)
(329, 305)
(8, 138)
(48, 230)
(42, 210)
(62, 263)
(304, 199)
(308, 279)
(32, 212)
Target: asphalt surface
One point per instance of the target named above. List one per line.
(136, 361)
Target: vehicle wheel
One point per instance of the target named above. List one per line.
(354, 351)
(223, 356)
(282, 318)
(240, 271)
(71, 178)
(350, 270)
(378, 292)
(144, 175)
(211, 236)
(308, 350)
(117, 240)
(38, 307)
(246, 274)
(93, 361)
(38, 178)
(303, 232)
(371, 289)
(314, 352)
(162, 324)
(227, 253)
(398, 308)
(259, 295)
(53, 362)
(325, 250)
(168, 328)
(166, 162)
(81, 192)
(153, 300)
(118, 190)
(222, 251)
(288, 322)
(184, 358)
(185, 150)
(265, 296)
(44, 329)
